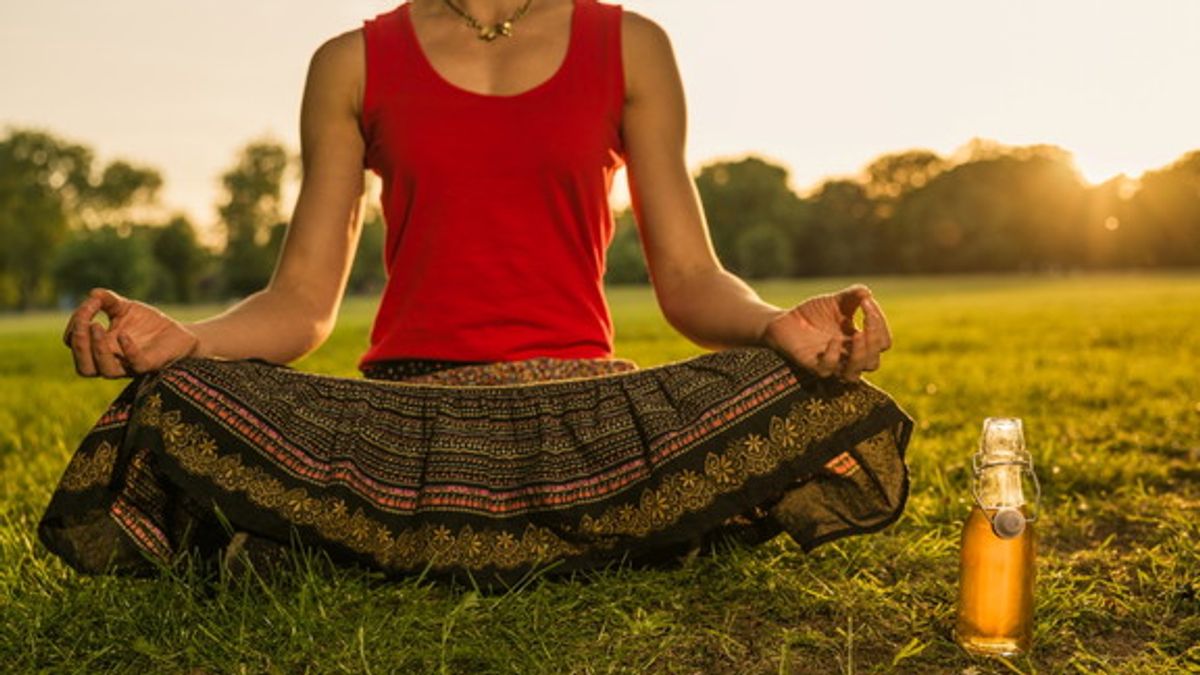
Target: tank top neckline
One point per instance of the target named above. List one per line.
(559, 73)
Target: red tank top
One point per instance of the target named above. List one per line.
(496, 206)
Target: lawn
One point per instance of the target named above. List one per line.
(1102, 369)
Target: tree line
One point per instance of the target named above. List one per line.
(987, 208)
(68, 225)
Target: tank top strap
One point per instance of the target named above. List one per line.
(601, 51)
(384, 54)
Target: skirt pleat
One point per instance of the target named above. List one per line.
(488, 470)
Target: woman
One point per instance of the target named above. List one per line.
(494, 434)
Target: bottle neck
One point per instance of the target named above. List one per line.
(1000, 486)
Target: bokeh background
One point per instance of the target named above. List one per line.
(826, 138)
(1018, 182)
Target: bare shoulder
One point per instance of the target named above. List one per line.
(640, 28)
(342, 51)
(338, 67)
(649, 58)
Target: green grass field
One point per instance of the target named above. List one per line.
(1103, 370)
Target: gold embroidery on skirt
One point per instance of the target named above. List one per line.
(88, 469)
(412, 548)
(680, 493)
(745, 457)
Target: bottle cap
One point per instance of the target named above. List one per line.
(1008, 522)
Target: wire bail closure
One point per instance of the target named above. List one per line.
(1007, 521)
(1002, 444)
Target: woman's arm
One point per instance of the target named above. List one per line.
(698, 296)
(297, 310)
(295, 313)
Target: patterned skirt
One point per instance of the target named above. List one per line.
(492, 470)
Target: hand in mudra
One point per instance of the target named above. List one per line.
(820, 335)
(139, 337)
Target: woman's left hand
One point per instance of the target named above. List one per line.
(820, 335)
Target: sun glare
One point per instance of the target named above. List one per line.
(1098, 167)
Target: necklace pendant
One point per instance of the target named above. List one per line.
(490, 33)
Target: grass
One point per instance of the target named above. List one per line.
(1101, 368)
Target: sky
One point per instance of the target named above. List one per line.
(821, 88)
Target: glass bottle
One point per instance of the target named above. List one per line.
(996, 570)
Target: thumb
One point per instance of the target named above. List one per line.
(158, 352)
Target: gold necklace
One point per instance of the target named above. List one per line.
(490, 33)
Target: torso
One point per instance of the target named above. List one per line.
(494, 190)
(483, 153)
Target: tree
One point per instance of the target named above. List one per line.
(838, 230)
(47, 189)
(889, 176)
(1166, 213)
(1107, 238)
(105, 257)
(180, 260)
(887, 180)
(124, 191)
(764, 251)
(368, 274)
(625, 262)
(742, 194)
(251, 209)
(37, 175)
(1005, 213)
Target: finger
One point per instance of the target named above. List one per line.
(80, 317)
(828, 360)
(873, 363)
(806, 357)
(134, 356)
(113, 304)
(851, 297)
(876, 327)
(142, 358)
(88, 308)
(81, 349)
(102, 354)
(98, 299)
(858, 360)
(847, 325)
(871, 337)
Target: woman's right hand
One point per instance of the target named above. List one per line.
(139, 337)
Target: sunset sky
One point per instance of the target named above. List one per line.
(820, 87)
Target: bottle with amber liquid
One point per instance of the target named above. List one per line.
(996, 571)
